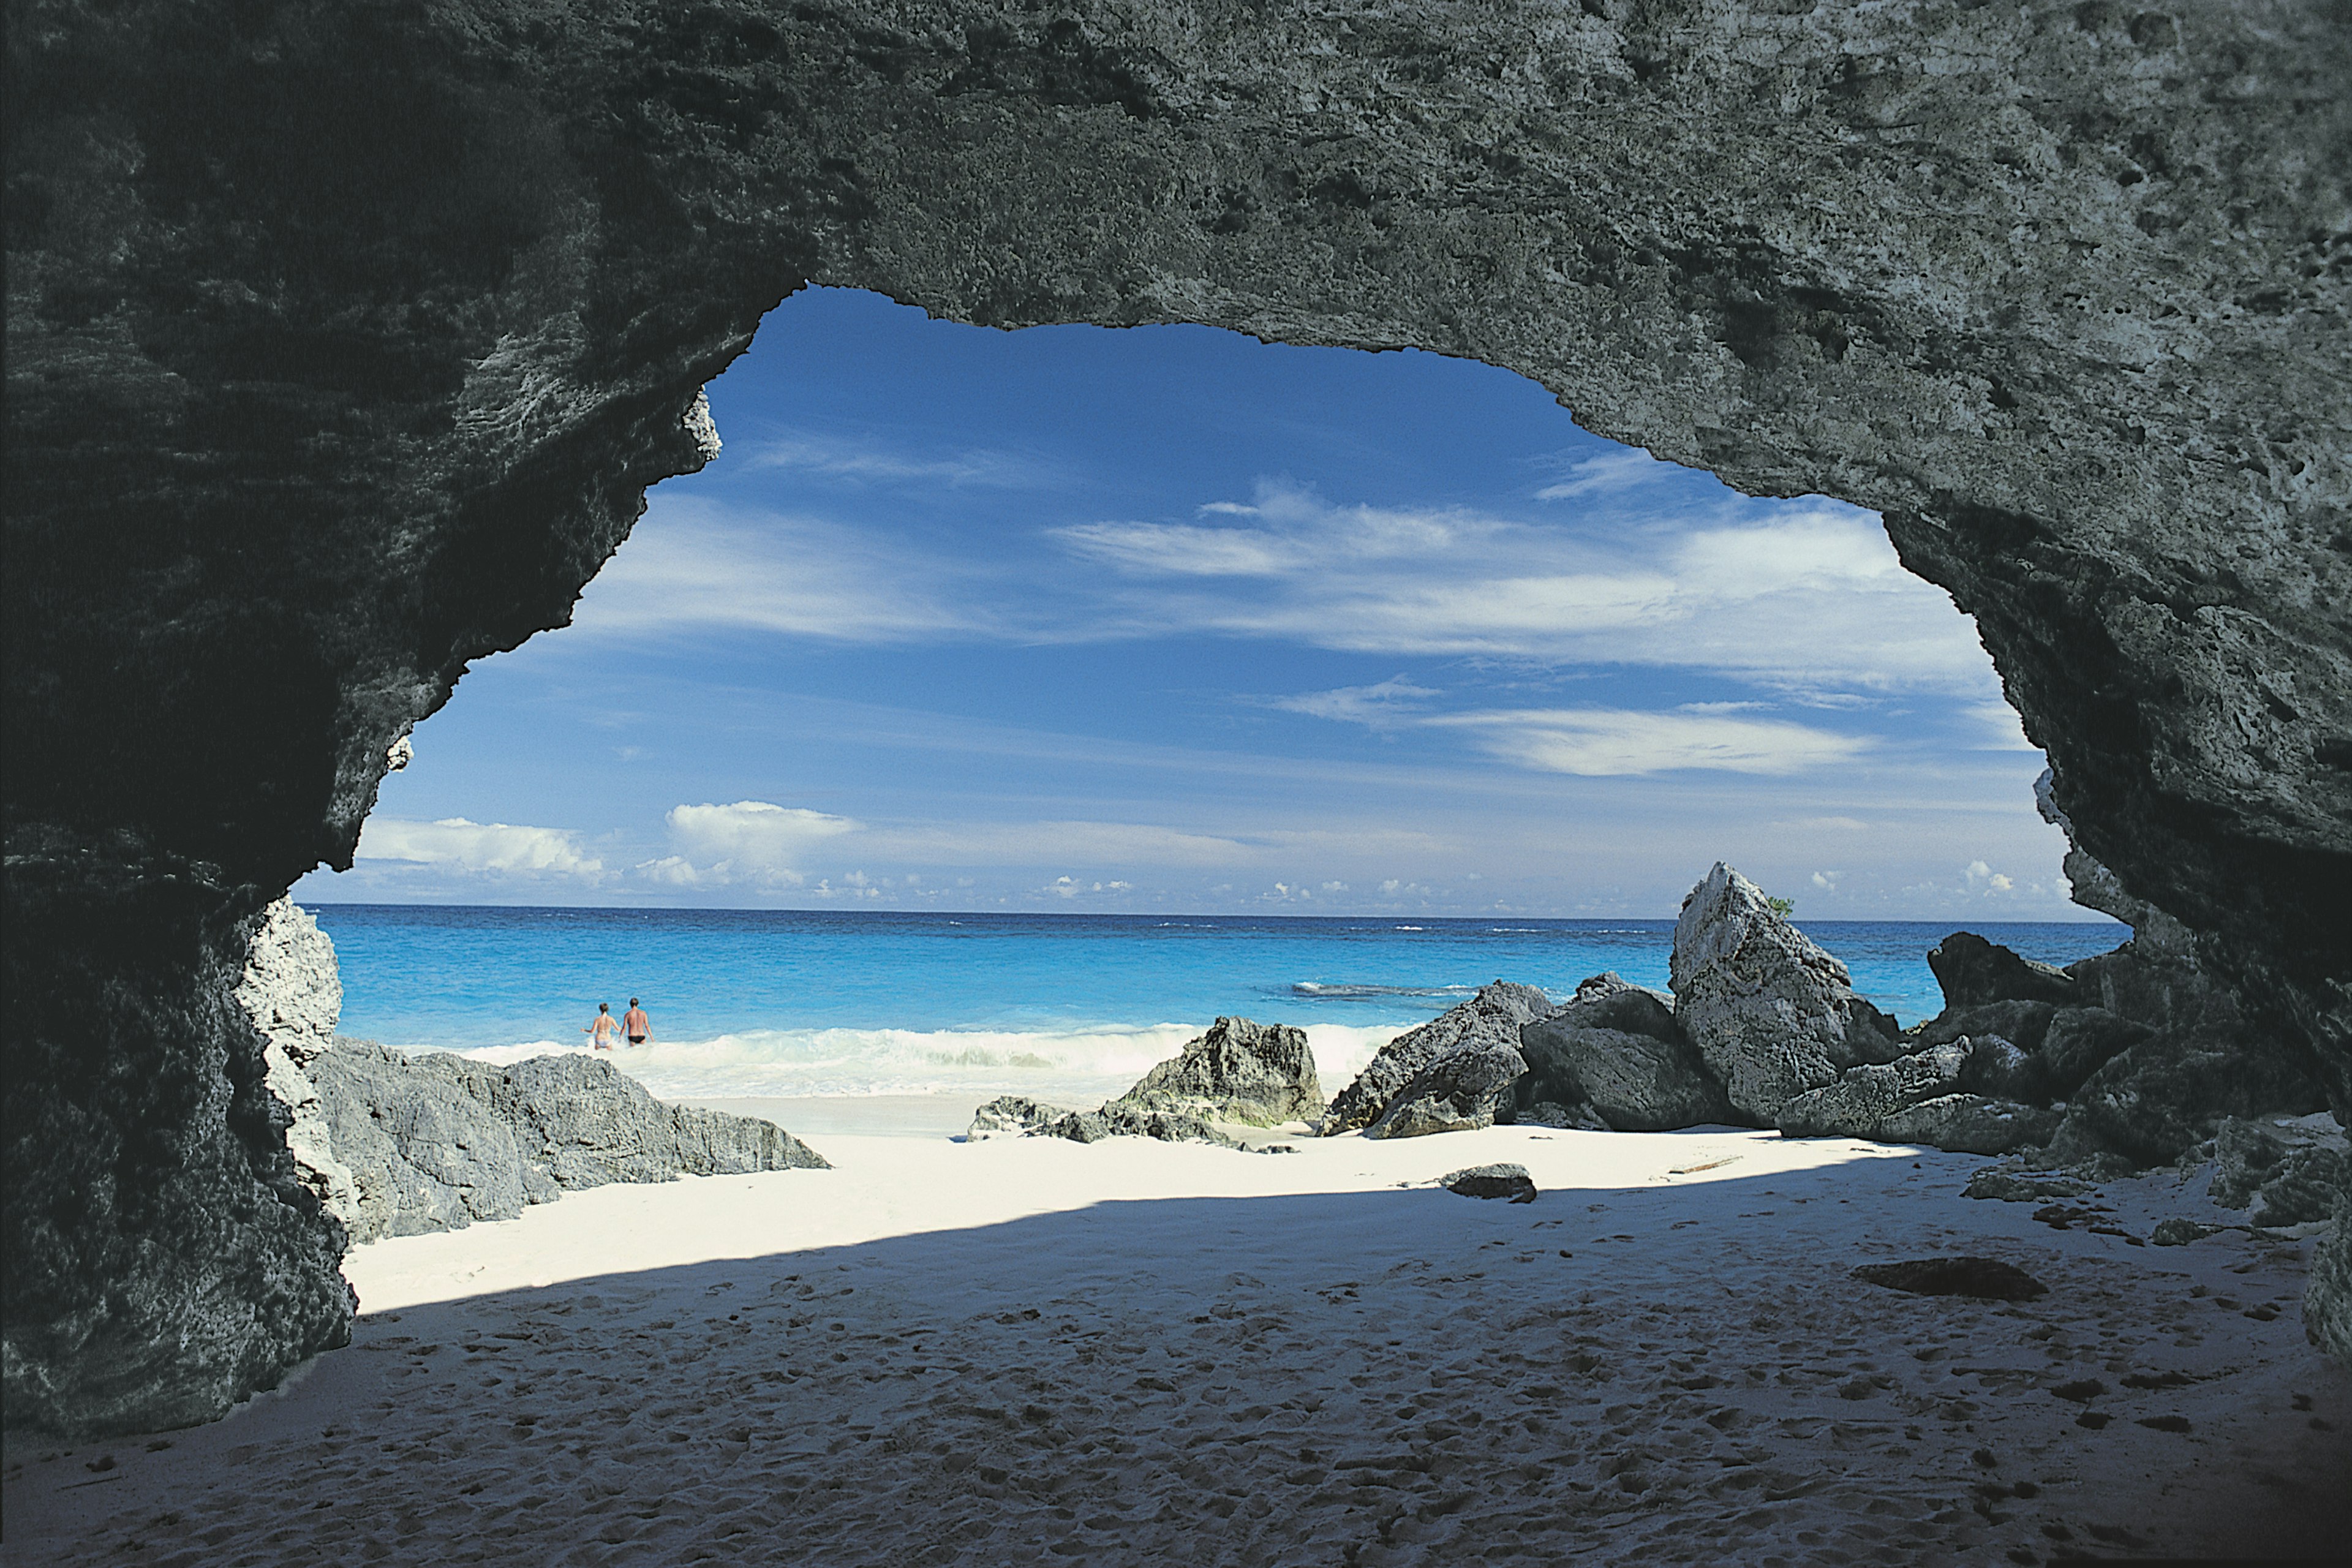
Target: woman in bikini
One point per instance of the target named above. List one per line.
(603, 1029)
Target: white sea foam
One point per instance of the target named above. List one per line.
(1076, 1066)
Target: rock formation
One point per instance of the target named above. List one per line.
(1258, 1074)
(1012, 1115)
(1499, 1180)
(342, 342)
(1468, 1088)
(1772, 1014)
(1491, 1017)
(1616, 1051)
(437, 1141)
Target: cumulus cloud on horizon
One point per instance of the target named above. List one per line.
(457, 844)
(753, 841)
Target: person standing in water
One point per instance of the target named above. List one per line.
(603, 1029)
(635, 1025)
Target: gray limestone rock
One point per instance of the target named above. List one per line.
(1120, 1119)
(1261, 1075)
(2019, 1186)
(1970, 1124)
(1492, 1016)
(2283, 1170)
(1606, 1002)
(2157, 1099)
(437, 1141)
(1467, 1088)
(2327, 1288)
(1580, 1117)
(1974, 972)
(1012, 1115)
(293, 992)
(1496, 1180)
(2079, 1041)
(2023, 1024)
(1919, 1099)
(1996, 1067)
(1859, 1100)
(1773, 1016)
(1634, 1082)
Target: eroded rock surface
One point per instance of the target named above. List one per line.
(1468, 1088)
(342, 341)
(1490, 1018)
(437, 1141)
(1772, 1014)
(1261, 1075)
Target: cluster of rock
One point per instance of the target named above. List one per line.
(392, 1145)
(1256, 1075)
(2134, 1055)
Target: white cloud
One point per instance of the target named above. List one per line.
(1602, 742)
(463, 846)
(750, 841)
(1106, 844)
(872, 462)
(1378, 706)
(1609, 473)
(1811, 600)
(694, 563)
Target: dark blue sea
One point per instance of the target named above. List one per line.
(1067, 1007)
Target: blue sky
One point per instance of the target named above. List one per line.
(1167, 618)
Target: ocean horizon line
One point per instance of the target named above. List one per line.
(1162, 918)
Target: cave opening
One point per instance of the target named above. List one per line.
(1167, 621)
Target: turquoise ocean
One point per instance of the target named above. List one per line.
(1070, 1008)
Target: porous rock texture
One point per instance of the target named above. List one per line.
(1491, 1018)
(1468, 1088)
(1236, 1071)
(1615, 1051)
(437, 1141)
(344, 339)
(1772, 1014)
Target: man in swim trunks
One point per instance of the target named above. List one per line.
(635, 1025)
(603, 1029)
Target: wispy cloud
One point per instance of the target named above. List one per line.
(695, 563)
(1382, 706)
(866, 460)
(1600, 742)
(1811, 601)
(455, 844)
(1607, 473)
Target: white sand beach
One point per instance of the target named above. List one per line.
(1031, 1350)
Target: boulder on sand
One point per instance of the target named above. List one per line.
(1467, 1088)
(2079, 1041)
(1259, 1074)
(434, 1143)
(1919, 1099)
(1502, 1181)
(1120, 1119)
(1492, 1017)
(1771, 1015)
(2157, 1099)
(1617, 1048)
(1012, 1115)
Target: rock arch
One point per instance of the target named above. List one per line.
(344, 339)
